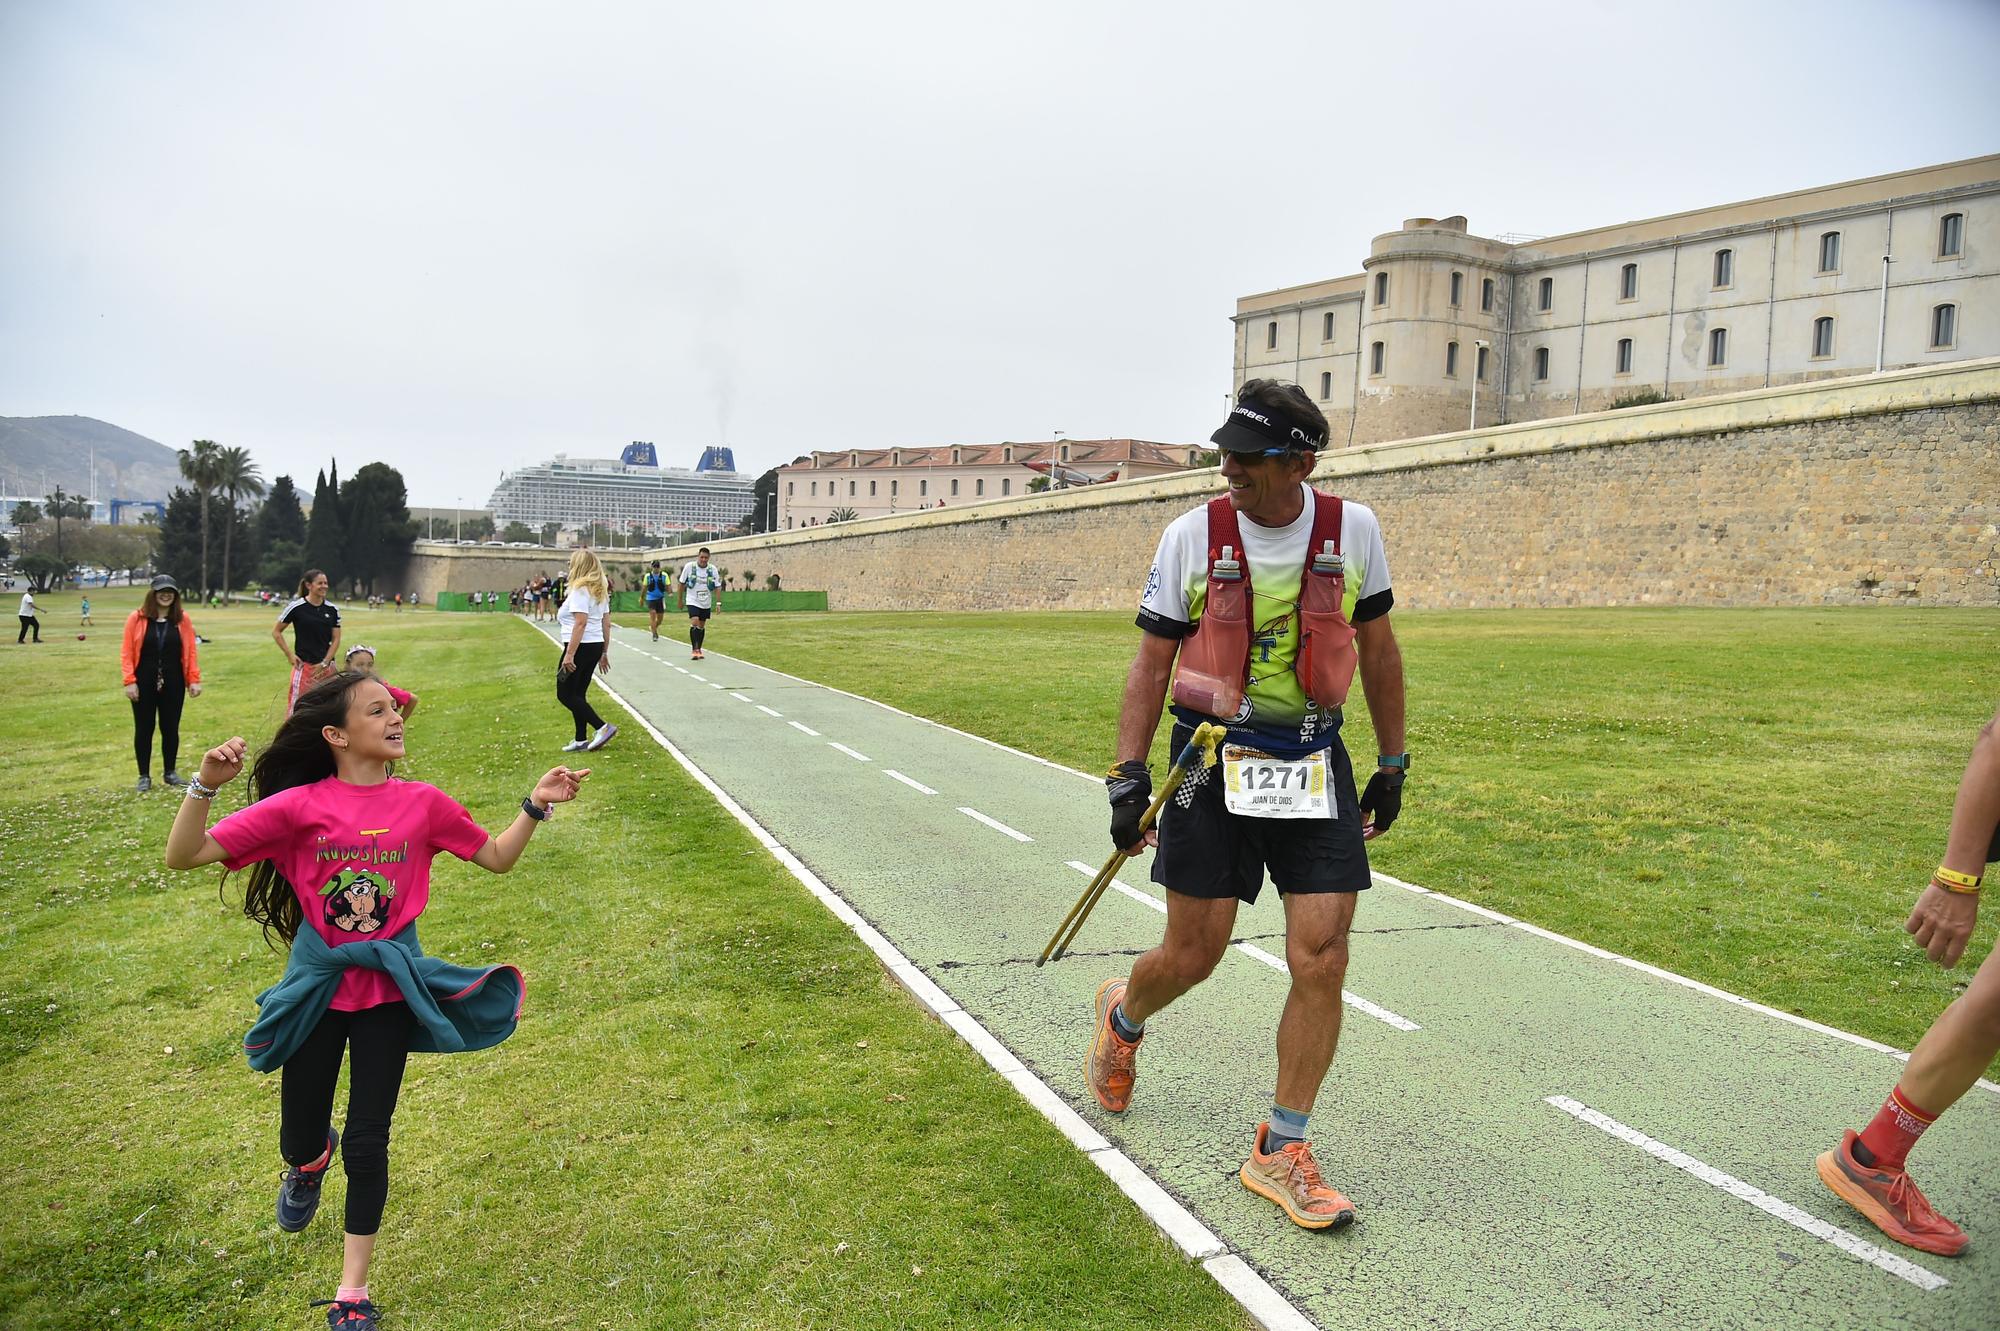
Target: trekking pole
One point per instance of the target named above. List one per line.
(1206, 737)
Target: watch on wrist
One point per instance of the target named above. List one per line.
(535, 811)
(1399, 761)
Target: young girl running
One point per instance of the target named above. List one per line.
(339, 855)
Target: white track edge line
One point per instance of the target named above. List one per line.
(1662, 973)
(1851, 1244)
(911, 782)
(1252, 1292)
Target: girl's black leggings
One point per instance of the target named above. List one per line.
(377, 1041)
(573, 688)
(166, 705)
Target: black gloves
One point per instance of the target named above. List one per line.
(1383, 799)
(1130, 787)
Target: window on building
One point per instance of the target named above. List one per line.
(791, 488)
(871, 489)
(1628, 282)
(1271, 336)
(1951, 235)
(1541, 364)
(1944, 327)
(1381, 288)
(893, 486)
(954, 485)
(1547, 289)
(1451, 360)
(979, 486)
(1624, 355)
(1725, 269)
(850, 489)
(1823, 335)
(1479, 366)
(1718, 346)
(815, 488)
(1486, 293)
(923, 488)
(1378, 358)
(1325, 385)
(1326, 327)
(1457, 289)
(1829, 252)
(1006, 485)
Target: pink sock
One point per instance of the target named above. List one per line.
(351, 1294)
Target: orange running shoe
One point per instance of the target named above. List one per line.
(1290, 1177)
(1890, 1198)
(1108, 1069)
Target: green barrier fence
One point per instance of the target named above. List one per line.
(632, 603)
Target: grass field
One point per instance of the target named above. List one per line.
(718, 1112)
(1749, 797)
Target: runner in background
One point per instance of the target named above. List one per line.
(28, 619)
(315, 625)
(656, 598)
(585, 625)
(1230, 606)
(1867, 1169)
(698, 586)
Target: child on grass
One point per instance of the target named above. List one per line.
(362, 658)
(339, 857)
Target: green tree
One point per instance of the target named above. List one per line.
(26, 513)
(763, 491)
(122, 549)
(6, 550)
(235, 476)
(281, 517)
(841, 514)
(60, 506)
(281, 563)
(517, 531)
(479, 527)
(771, 582)
(375, 504)
(1038, 484)
(326, 533)
(550, 531)
(198, 469)
(180, 533)
(43, 571)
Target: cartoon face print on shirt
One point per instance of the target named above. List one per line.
(357, 902)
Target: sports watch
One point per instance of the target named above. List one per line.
(1399, 761)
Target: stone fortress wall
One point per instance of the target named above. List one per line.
(1879, 488)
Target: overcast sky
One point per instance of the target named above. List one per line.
(464, 237)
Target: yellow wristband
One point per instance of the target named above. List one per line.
(1953, 878)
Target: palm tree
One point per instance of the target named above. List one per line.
(198, 470)
(235, 475)
(842, 514)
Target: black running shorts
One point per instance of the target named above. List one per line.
(700, 612)
(1206, 851)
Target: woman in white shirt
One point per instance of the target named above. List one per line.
(585, 623)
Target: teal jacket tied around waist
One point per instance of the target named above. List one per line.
(458, 1008)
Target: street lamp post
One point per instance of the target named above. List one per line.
(1478, 347)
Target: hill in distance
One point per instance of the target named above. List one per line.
(37, 453)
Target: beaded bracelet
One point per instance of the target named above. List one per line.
(197, 791)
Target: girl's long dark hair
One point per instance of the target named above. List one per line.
(297, 755)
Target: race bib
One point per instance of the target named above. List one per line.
(1259, 786)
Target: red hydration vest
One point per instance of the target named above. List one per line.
(1214, 665)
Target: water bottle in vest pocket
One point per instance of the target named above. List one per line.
(1214, 663)
(1327, 659)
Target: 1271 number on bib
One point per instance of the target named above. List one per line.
(1258, 785)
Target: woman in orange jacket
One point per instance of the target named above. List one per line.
(161, 672)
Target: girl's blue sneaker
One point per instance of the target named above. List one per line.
(298, 1195)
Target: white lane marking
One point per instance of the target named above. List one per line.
(740, 697)
(994, 823)
(858, 757)
(1257, 1296)
(918, 786)
(1251, 950)
(1661, 973)
(806, 728)
(691, 675)
(684, 670)
(713, 685)
(767, 710)
(1852, 1244)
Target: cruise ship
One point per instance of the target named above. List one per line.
(629, 492)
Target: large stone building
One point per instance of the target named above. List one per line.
(628, 493)
(877, 481)
(1745, 295)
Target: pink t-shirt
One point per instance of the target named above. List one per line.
(359, 858)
